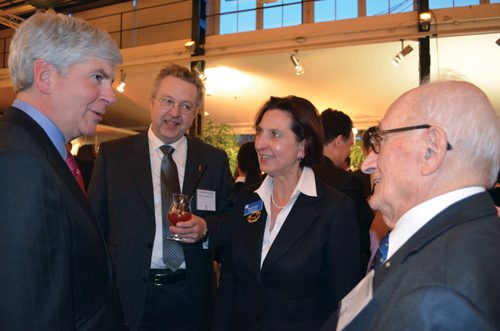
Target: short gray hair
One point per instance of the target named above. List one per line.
(60, 40)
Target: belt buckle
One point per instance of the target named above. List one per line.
(156, 280)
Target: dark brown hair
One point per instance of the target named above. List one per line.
(306, 124)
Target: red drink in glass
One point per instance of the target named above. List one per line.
(175, 217)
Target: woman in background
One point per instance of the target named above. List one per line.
(294, 248)
(248, 171)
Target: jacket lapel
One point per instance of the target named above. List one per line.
(51, 153)
(254, 236)
(300, 218)
(140, 169)
(473, 207)
(195, 168)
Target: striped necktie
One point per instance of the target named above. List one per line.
(173, 254)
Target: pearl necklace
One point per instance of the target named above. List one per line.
(275, 205)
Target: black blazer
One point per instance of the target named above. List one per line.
(121, 195)
(55, 272)
(312, 264)
(445, 277)
(347, 183)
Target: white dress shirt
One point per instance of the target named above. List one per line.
(156, 156)
(306, 185)
(415, 218)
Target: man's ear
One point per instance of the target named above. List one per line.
(339, 140)
(42, 75)
(434, 154)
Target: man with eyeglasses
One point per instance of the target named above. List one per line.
(163, 284)
(436, 152)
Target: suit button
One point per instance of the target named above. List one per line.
(144, 279)
(150, 245)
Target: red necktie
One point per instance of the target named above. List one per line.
(73, 166)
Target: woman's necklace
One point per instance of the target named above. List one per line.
(275, 205)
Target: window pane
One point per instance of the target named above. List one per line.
(433, 4)
(228, 23)
(324, 10)
(401, 6)
(247, 21)
(292, 14)
(228, 5)
(272, 16)
(242, 16)
(346, 9)
(461, 3)
(377, 7)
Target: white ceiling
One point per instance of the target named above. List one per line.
(359, 80)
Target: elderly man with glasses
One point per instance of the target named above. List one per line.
(436, 152)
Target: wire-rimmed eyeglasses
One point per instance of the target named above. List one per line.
(376, 137)
(169, 104)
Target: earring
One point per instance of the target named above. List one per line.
(300, 158)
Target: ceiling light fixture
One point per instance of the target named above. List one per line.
(299, 69)
(424, 21)
(121, 87)
(190, 45)
(398, 58)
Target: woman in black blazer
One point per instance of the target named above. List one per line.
(294, 249)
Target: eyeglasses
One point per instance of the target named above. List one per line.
(376, 137)
(169, 104)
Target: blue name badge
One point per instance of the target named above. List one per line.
(252, 207)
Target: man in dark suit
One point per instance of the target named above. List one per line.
(338, 139)
(437, 150)
(126, 194)
(55, 272)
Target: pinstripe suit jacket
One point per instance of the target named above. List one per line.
(121, 195)
(311, 265)
(55, 273)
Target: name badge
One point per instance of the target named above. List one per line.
(205, 200)
(352, 304)
(252, 207)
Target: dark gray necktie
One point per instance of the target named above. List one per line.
(173, 255)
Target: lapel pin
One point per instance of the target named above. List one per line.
(252, 218)
(253, 211)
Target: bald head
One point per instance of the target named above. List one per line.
(433, 139)
(467, 118)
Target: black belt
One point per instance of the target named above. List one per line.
(166, 276)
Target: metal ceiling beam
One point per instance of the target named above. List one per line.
(10, 20)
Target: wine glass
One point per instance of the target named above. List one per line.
(180, 211)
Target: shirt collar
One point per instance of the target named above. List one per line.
(156, 143)
(415, 218)
(305, 185)
(55, 135)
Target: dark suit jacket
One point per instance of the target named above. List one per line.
(445, 277)
(312, 264)
(121, 195)
(351, 186)
(55, 273)
(365, 182)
